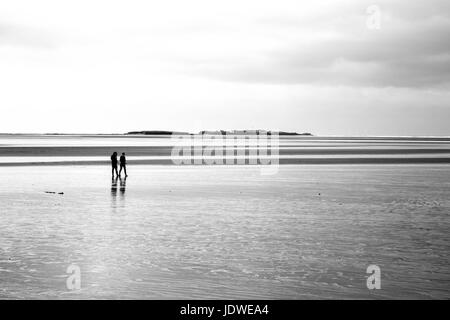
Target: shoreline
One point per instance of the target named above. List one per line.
(308, 161)
(152, 150)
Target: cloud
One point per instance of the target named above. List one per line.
(294, 65)
(24, 36)
(412, 49)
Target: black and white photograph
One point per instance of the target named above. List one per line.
(244, 150)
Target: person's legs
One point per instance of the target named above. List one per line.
(125, 170)
(120, 171)
(115, 168)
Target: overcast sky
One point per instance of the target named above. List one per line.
(318, 66)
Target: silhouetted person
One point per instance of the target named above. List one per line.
(123, 164)
(114, 163)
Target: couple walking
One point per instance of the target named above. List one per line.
(123, 163)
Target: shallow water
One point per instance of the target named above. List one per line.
(225, 232)
(95, 150)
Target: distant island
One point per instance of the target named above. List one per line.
(157, 132)
(217, 132)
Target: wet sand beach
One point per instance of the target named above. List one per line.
(205, 232)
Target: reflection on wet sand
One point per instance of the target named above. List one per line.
(114, 186)
(122, 185)
(117, 183)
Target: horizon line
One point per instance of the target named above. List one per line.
(299, 134)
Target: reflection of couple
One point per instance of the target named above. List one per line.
(123, 162)
(114, 185)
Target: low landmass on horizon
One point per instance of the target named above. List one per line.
(239, 132)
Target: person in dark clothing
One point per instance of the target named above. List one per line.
(123, 164)
(114, 163)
